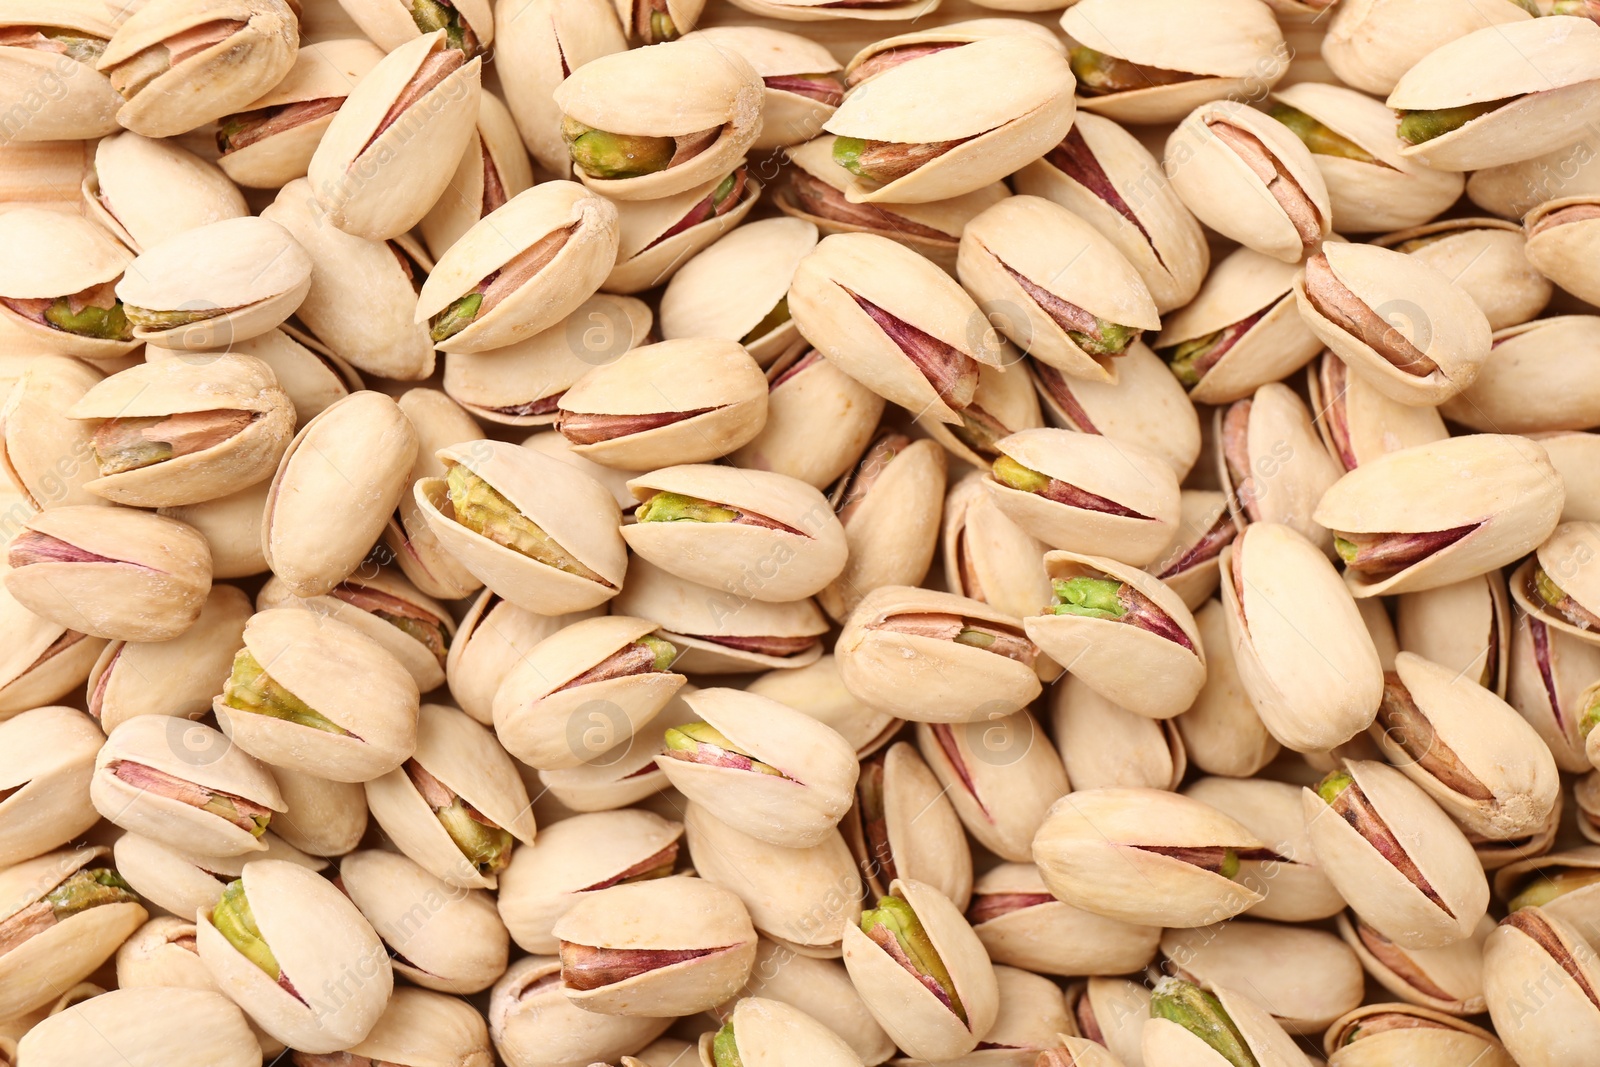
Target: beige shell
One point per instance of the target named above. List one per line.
(46, 762)
(1222, 734)
(625, 774)
(1104, 746)
(1370, 44)
(1465, 627)
(185, 882)
(325, 818)
(1552, 69)
(46, 456)
(1487, 258)
(534, 1025)
(1001, 774)
(954, 33)
(81, 102)
(1294, 887)
(806, 394)
(820, 988)
(1146, 406)
(1305, 978)
(729, 290)
(649, 254)
(987, 557)
(231, 526)
(41, 661)
(1565, 252)
(812, 11)
(1435, 1037)
(1420, 975)
(819, 691)
(312, 375)
(1358, 423)
(428, 1030)
(1555, 707)
(920, 828)
(1118, 1007)
(350, 172)
(772, 1032)
(390, 24)
(158, 1026)
(1515, 504)
(1571, 455)
(1568, 1020)
(439, 422)
(1051, 937)
(1286, 472)
(145, 191)
(787, 118)
(1564, 558)
(1165, 1042)
(496, 152)
(82, 256)
(1189, 565)
(341, 674)
(491, 639)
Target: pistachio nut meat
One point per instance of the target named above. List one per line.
(1145, 856)
(276, 936)
(1548, 677)
(417, 1027)
(987, 557)
(1358, 422)
(1530, 945)
(901, 821)
(1536, 380)
(647, 123)
(1154, 61)
(110, 572)
(1270, 462)
(46, 763)
(1397, 531)
(1060, 289)
(1192, 1025)
(1382, 1033)
(1487, 258)
(494, 169)
(916, 133)
(173, 432)
(269, 142)
(411, 114)
(770, 1031)
(159, 1024)
(1562, 883)
(1087, 493)
(1403, 865)
(1561, 241)
(662, 947)
(801, 81)
(1002, 777)
(1104, 746)
(1447, 980)
(64, 300)
(535, 530)
(656, 237)
(63, 42)
(468, 26)
(1022, 925)
(490, 640)
(534, 1025)
(1467, 105)
(1250, 178)
(64, 914)
(1369, 46)
(42, 660)
(1465, 627)
(179, 65)
(521, 269)
(923, 972)
(185, 882)
(143, 190)
(313, 694)
(1105, 616)
(807, 393)
(1102, 174)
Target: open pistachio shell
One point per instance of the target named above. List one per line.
(493, 170)
(732, 290)
(1294, 887)
(1537, 379)
(987, 557)
(1399, 1033)
(1145, 407)
(534, 1025)
(42, 450)
(772, 1032)
(490, 640)
(1486, 258)
(1448, 979)
(1002, 776)
(1530, 946)
(1358, 422)
(1189, 564)
(312, 375)
(902, 823)
(1513, 505)
(550, 38)
(46, 762)
(871, 60)
(1221, 731)
(1550, 672)
(184, 882)
(82, 259)
(1022, 925)
(370, 138)
(1254, 1033)
(1369, 45)
(1140, 649)
(1558, 585)
(1304, 978)
(325, 818)
(1105, 746)
(624, 774)
(807, 393)
(159, 1025)
(1546, 71)
(656, 237)
(82, 103)
(1270, 462)
(439, 422)
(1562, 238)
(1220, 49)
(801, 81)
(819, 988)
(1465, 627)
(145, 190)
(390, 24)
(820, 692)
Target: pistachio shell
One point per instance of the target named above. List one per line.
(550, 38)
(148, 1027)
(312, 375)
(987, 557)
(429, 1030)
(1295, 888)
(1051, 937)
(325, 818)
(1284, 473)
(82, 256)
(1189, 563)
(145, 191)
(534, 1025)
(1465, 627)
(1433, 1037)
(1166, 1042)
(1564, 252)
(1002, 776)
(1305, 978)
(1570, 454)
(1486, 258)
(439, 422)
(184, 882)
(46, 762)
(787, 117)
(1145, 407)
(391, 24)
(820, 989)
(231, 526)
(770, 1031)
(81, 101)
(1370, 45)
(1358, 423)
(1448, 979)
(493, 169)
(731, 288)
(622, 775)
(812, 11)
(46, 455)
(1567, 1019)
(1105, 746)
(1554, 707)
(492, 638)
(920, 829)
(651, 245)
(816, 394)
(1221, 731)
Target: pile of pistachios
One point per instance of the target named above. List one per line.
(997, 533)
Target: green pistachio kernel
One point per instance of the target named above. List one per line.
(616, 155)
(675, 507)
(1230, 863)
(724, 189)
(480, 508)
(1590, 719)
(235, 921)
(1419, 127)
(1550, 885)
(146, 319)
(1008, 471)
(83, 49)
(1548, 590)
(1098, 72)
(1109, 338)
(488, 847)
(1347, 549)
(431, 17)
(1095, 598)
(975, 638)
(771, 321)
(1183, 357)
(1333, 785)
(662, 27)
(690, 736)
(724, 1048)
(847, 153)
(1202, 1014)
(895, 916)
(89, 888)
(250, 688)
(107, 324)
(455, 318)
(1321, 140)
(220, 805)
(666, 652)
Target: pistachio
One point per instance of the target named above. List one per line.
(1202, 1014)
(68, 304)
(895, 928)
(1531, 943)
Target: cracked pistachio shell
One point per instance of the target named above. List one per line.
(1566, 558)
(1002, 776)
(820, 692)
(1485, 258)
(1539, 378)
(732, 287)
(361, 299)
(352, 460)
(1134, 668)
(678, 90)
(439, 422)
(1165, 245)
(1033, 237)
(562, 282)
(778, 565)
(1554, 707)
(326, 70)
(352, 170)
(920, 828)
(345, 677)
(325, 818)
(46, 762)
(573, 857)
(458, 946)
(802, 898)
(1541, 876)
(572, 508)
(846, 268)
(1286, 470)
(151, 586)
(1377, 890)
(317, 936)
(1302, 652)
(1390, 192)
(649, 254)
(1540, 992)
(699, 619)
(423, 1029)
(1357, 422)
(1445, 980)
(466, 759)
(534, 1025)
(184, 882)
(920, 677)
(1304, 978)
(1031, 1016)
(1465, 627)
(1404, 1033)
(81, 102)
(622, 775)
(493, 637)
(77, 255)
(1222, 190)
(363, 601)
(819, 988)
(1189, 564)
(1243, 284)
(1234, 48)
(160, 1026)
(1574, 457)
(1047, 936)
(1105, 746)
(122, 682)
(224, 76)
(987, 557)
(1117, 1008)
(787, 117)
(808, 754)
(715, 379)
(1171, 1045)
(231, 526)
(931, 100)
(193, 753)
(917, 1020)
(156, 956)
(772, 1032)
(663, 915)
(145, 191)
(1484, 738)
(1146, 406)
(549, 718)
(493, 169)
(550, 38)
(34, 971)
(1093, 852)
(818, 11)
(1128, 476)
(313, 376)
(390, 24)
(1565, 251)
(40, 661)
(1547, 68)
(816, 395)
(1370, 44)
(175, 387)
(955, 33)
(46, 456)
(933, 229)
(1513, 505)
(246, 275)
(1294, 887)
